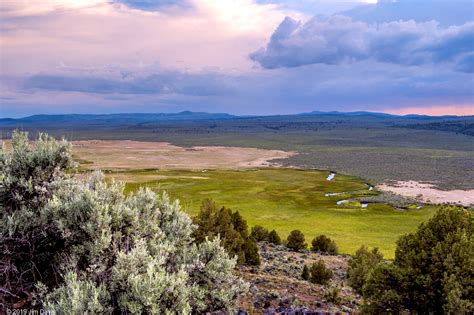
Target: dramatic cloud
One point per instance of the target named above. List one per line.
(366, 85)
(339, 39)
(102, 56)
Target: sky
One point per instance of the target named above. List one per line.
(247, 57)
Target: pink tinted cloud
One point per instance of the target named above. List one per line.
(216, 34)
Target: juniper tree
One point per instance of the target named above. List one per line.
(361, 264)
(274, 238)
(296, 240)
(232, 229)
(259, 233)
(380, 290)
(250, 249)
(436, 263)
(433, 270)
(319, 273)
(324, 244)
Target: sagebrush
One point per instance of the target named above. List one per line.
(80, 245)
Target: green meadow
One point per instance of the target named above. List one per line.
(288, 199)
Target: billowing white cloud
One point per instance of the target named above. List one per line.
(339, 39)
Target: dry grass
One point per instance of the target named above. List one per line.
(125, 154)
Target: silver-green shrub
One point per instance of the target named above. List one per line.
(129, 254)
(79, 296)
(27, 172)
(28, 175)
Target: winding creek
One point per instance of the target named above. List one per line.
(331, 176)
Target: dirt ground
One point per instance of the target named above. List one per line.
(99, 154)
(428, 192)
(277, 287)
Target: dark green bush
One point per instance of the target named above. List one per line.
(436, 263)
(274, 238)
(213, 221)
(324, 244)
(380, 290)
(319, 273)
(259, 233)
(251, 252)
(433, 270)
(240, 224)
(305, 273)
(361, 264)
(296, 241)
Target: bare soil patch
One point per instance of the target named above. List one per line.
(125, 154)
(428, 192)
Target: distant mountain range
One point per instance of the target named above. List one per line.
(376, 114)
(192, 122)
(128, 118)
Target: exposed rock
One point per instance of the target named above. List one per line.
(277, 287)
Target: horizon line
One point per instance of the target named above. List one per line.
(397, 113)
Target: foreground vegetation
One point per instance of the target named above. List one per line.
(288, 199)
(79, 246)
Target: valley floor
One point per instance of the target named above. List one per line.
(284, 199)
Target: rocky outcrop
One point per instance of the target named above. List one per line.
(277, 286)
